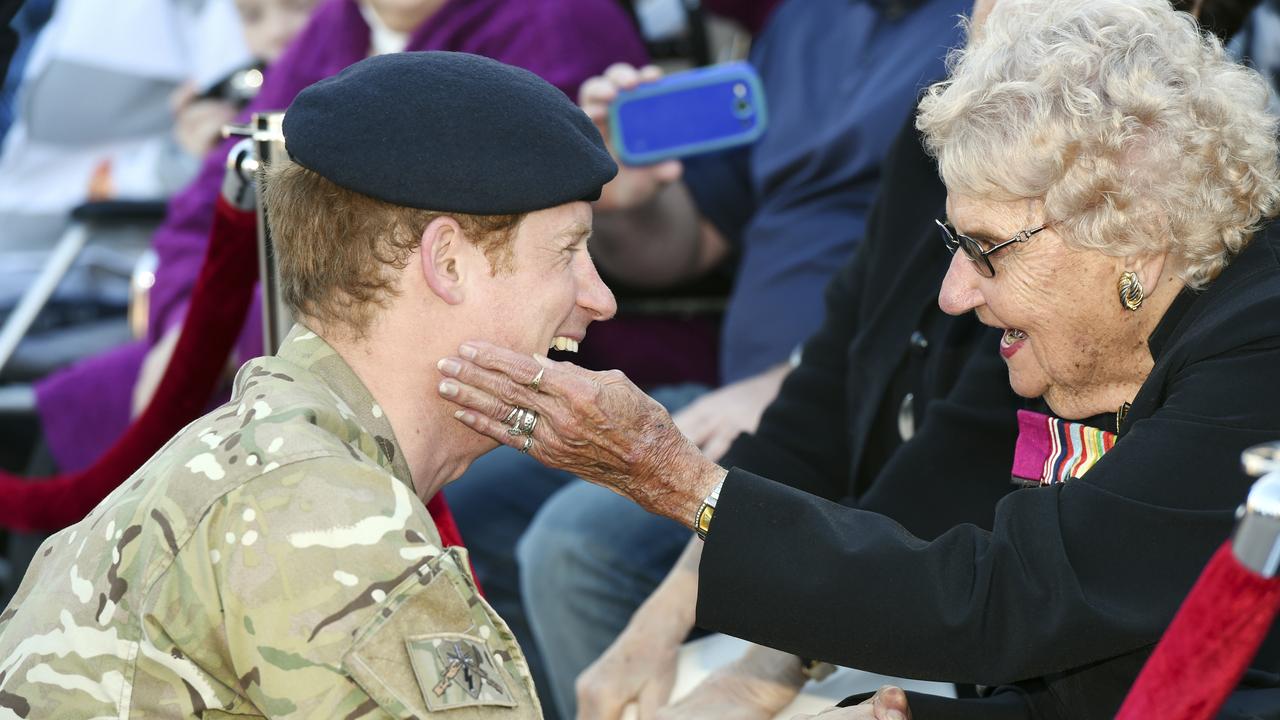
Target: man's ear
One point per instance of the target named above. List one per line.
(446, 259)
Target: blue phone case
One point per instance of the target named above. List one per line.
(688, 113)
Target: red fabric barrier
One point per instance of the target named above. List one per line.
(218, 305)
(1208, 646)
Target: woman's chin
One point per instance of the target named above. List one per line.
(1070, 404)
(1026, 387)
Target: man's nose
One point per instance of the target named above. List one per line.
(959, 293)
(595, 296)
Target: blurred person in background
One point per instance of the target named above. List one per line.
(94, 129)
(200, 113)
(93, 103)
(94, 121)
(93, 126)
(20, 21)
(1258, 44)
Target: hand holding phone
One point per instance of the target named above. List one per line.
(688, 113)
(634, 185)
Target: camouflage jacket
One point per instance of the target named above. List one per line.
(271, 560)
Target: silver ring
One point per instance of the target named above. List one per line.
(522, 421)
(536, 382)
(515, 418)
(528, 443)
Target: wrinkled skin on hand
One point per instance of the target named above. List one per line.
(596, 425)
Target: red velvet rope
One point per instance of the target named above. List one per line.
(218, 305)
(1208, 646)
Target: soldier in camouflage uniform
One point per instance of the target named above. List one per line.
(276, 559)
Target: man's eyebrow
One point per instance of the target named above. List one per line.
(575, 233)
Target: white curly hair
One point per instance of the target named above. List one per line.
(1138, 133)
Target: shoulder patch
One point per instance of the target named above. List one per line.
(456, 670)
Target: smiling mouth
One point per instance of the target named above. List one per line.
(564, 344)
(1013, 336)
(1011, 342)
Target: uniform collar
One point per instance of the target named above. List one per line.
(309, 351)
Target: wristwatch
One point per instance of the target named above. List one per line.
(702, 522)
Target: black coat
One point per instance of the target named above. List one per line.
(1066, 593)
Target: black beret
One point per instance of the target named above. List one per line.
(448, 131)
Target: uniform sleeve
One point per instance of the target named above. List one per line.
(1070, 574)
(324, 573)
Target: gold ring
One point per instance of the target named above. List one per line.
(537, 379)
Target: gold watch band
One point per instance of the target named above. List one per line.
(702, 522)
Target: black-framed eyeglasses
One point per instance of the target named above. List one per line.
(973, 249)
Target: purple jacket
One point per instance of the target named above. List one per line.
(84, 408)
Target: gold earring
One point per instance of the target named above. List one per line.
(1131, 294)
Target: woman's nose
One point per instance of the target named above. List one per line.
(959, 293)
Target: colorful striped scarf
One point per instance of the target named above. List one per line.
(1051, 450)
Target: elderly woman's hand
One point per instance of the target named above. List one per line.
(889, 703)
(597, 425)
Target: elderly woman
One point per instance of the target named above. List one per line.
(1107, 170)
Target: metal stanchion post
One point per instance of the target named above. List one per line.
(1225, 617)
(266, 138)
(1256, 542)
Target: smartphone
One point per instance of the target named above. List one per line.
(688, 113)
